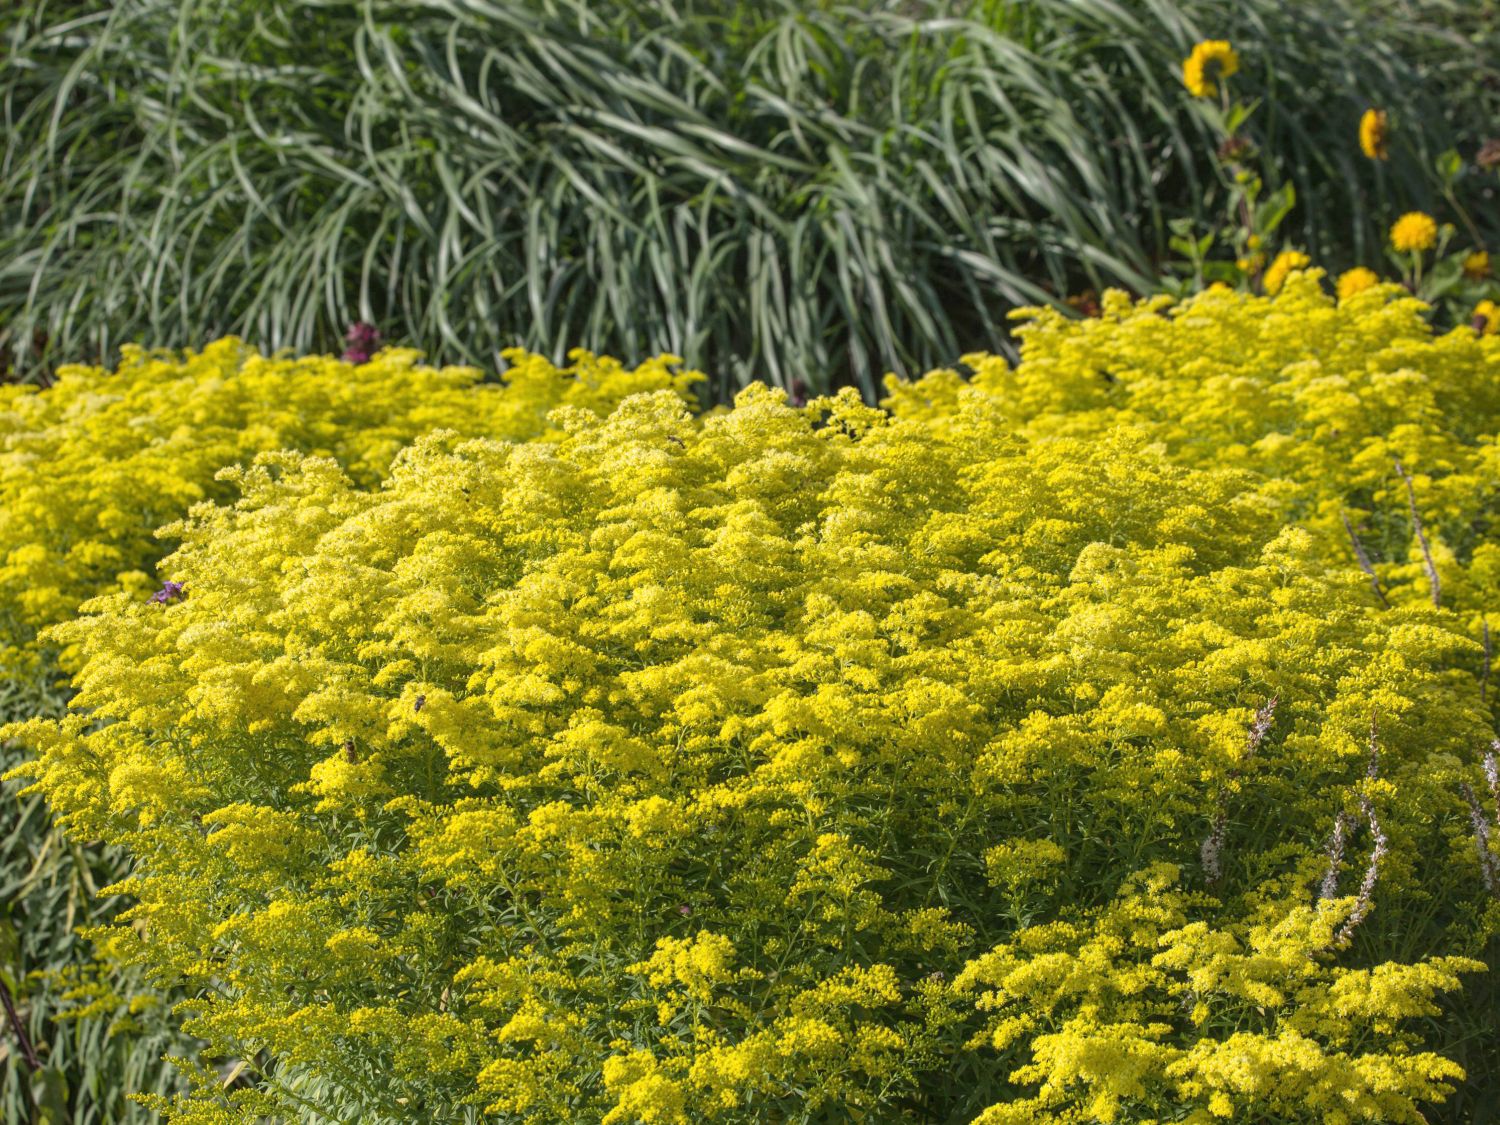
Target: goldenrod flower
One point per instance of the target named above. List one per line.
(1285, 262)
(1374, 129)
(1414, 232)
(1477, 265)
(1210, 61)
(1355, 281)
(1487, 318)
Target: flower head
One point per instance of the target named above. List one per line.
(1477, 265)
(1285, 263)
(1414, 232)
(1374, 130)
(1211, 60)
(361, 342)
(1233, 150)
(169, 592)
(1487, 318)
(1355, 281)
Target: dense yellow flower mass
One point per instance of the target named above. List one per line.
(1210, 62)
(1414, 232)
(785, 763)
(1322, 397)
(92, 466)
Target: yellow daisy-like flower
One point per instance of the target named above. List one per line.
(1374, 129)
(1210, 61)
(1355, 281)
(1285, 262)
(1414, 232)
(1477, 265)
(1487, 318)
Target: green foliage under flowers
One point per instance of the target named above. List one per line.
(1033, 750)
(769, 188)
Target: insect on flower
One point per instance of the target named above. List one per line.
(169, 592)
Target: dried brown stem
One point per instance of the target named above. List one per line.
(1489, 867)
(1484, 679)
(1416, 523)
(1337, 839)
(1364, 560)
(28, 1052)
(1212, 851)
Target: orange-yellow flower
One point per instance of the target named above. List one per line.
(1414, 232)
(1374, 129)
(1285, 262)
(1477, 265)
(1487, 318)
(1355, 281)
(1210, 61)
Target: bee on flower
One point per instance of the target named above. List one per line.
(1211, 61)
(1487, 318)
(169, 592)
(1374, 132)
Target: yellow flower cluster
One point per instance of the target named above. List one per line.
(92, 466)
(782, 763)
(1323, 397)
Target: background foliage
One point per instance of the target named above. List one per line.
(768, 188)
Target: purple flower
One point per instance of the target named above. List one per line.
(169, 592)
(361, 342)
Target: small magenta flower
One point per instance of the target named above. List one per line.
(169, 592)
(361, 342)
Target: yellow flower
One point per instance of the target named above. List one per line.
(1210, 61)
(1487, 318)
(1374, 129)
(1414, 232)
(1477, 265)
(1285, 263)
(1355, 281)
